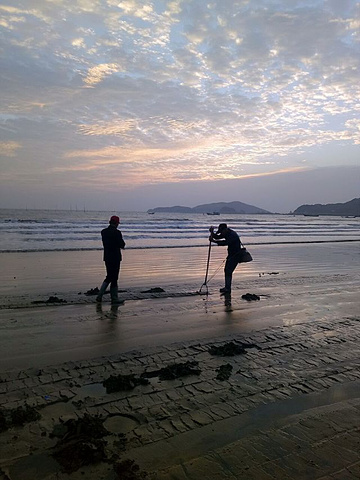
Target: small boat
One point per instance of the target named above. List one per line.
(213, 213)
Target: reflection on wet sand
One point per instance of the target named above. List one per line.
(227, 302)
(306, 288)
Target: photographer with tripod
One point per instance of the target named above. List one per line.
(227, 237)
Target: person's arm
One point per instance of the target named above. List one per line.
(222, 243)
(216, 237)
(121, 242)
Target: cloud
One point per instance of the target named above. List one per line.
(99, 72)
(116, 127)
(9, 149)
(184, 90)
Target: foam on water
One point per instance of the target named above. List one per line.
(54, 230)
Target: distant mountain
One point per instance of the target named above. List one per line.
(351, 208)
(213, 208)
(176, 209)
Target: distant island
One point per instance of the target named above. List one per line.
(351, 208)
(212, 209)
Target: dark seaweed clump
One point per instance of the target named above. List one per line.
(3, 423)
(154, 290)
(250, 297)
(176, 370)
(224, 372)
(17, 417)
(73, 456)
(88, 426)
(92, 291)
(81, 443)
(21, 415)
(3, 475)
(128, 470)
(55, 300)
(51, 299)
(228, 350)
(123, 383)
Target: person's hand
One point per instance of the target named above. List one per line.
(210, 238)
(211, 229)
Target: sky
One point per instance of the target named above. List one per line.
(129, 105)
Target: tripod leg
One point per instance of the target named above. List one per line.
(208, 262)
(206, 274)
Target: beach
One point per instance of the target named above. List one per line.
(283, 406)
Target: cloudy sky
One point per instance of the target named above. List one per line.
(128, 105)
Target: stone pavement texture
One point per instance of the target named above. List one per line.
(288, 408)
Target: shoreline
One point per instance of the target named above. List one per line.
(294, 242)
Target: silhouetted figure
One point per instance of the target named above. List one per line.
(227, 236)
(113, 243)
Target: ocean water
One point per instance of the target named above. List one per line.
(58, 230)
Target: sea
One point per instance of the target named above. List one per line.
(75, 230)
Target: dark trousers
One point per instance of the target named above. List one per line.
(112, 273)
(230, 265)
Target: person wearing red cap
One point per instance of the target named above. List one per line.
(113, 243)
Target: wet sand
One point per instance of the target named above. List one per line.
(305, 328)
(296, 284)
(26, 276)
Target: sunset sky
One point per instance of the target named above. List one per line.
(129, 105)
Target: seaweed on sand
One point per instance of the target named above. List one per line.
(176, 370)
(21, 415)
(250, 297)
(51, 299)
(123, 383)
(81, 443)
(154, 290)
(3, 424)
(228, 350)
(128, 470)
(224, 372)
(17, 417)
(3, 475)
(92, 291)
(79, 453)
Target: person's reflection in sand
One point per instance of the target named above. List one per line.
(108, 325)
(99, 309)
(227, 303)
(112, 314)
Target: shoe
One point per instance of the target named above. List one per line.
(225, 290)
(226, 294)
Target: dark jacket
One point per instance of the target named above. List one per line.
(113, 242)
(231, 239)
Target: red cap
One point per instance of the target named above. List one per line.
(115, 219)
